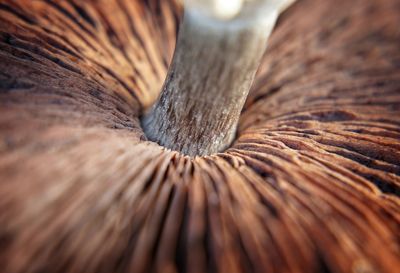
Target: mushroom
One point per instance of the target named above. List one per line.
(93, 177)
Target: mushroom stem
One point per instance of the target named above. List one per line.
(215, 60)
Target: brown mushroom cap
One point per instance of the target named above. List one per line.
(310, 185)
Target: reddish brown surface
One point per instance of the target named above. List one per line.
(310, 185)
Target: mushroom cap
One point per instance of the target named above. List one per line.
(311, 183)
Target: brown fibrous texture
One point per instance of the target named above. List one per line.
(311, 183)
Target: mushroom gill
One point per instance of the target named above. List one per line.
(311, 182)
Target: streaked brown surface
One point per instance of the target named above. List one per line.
(310, 185)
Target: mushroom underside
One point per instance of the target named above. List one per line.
(311, 183)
